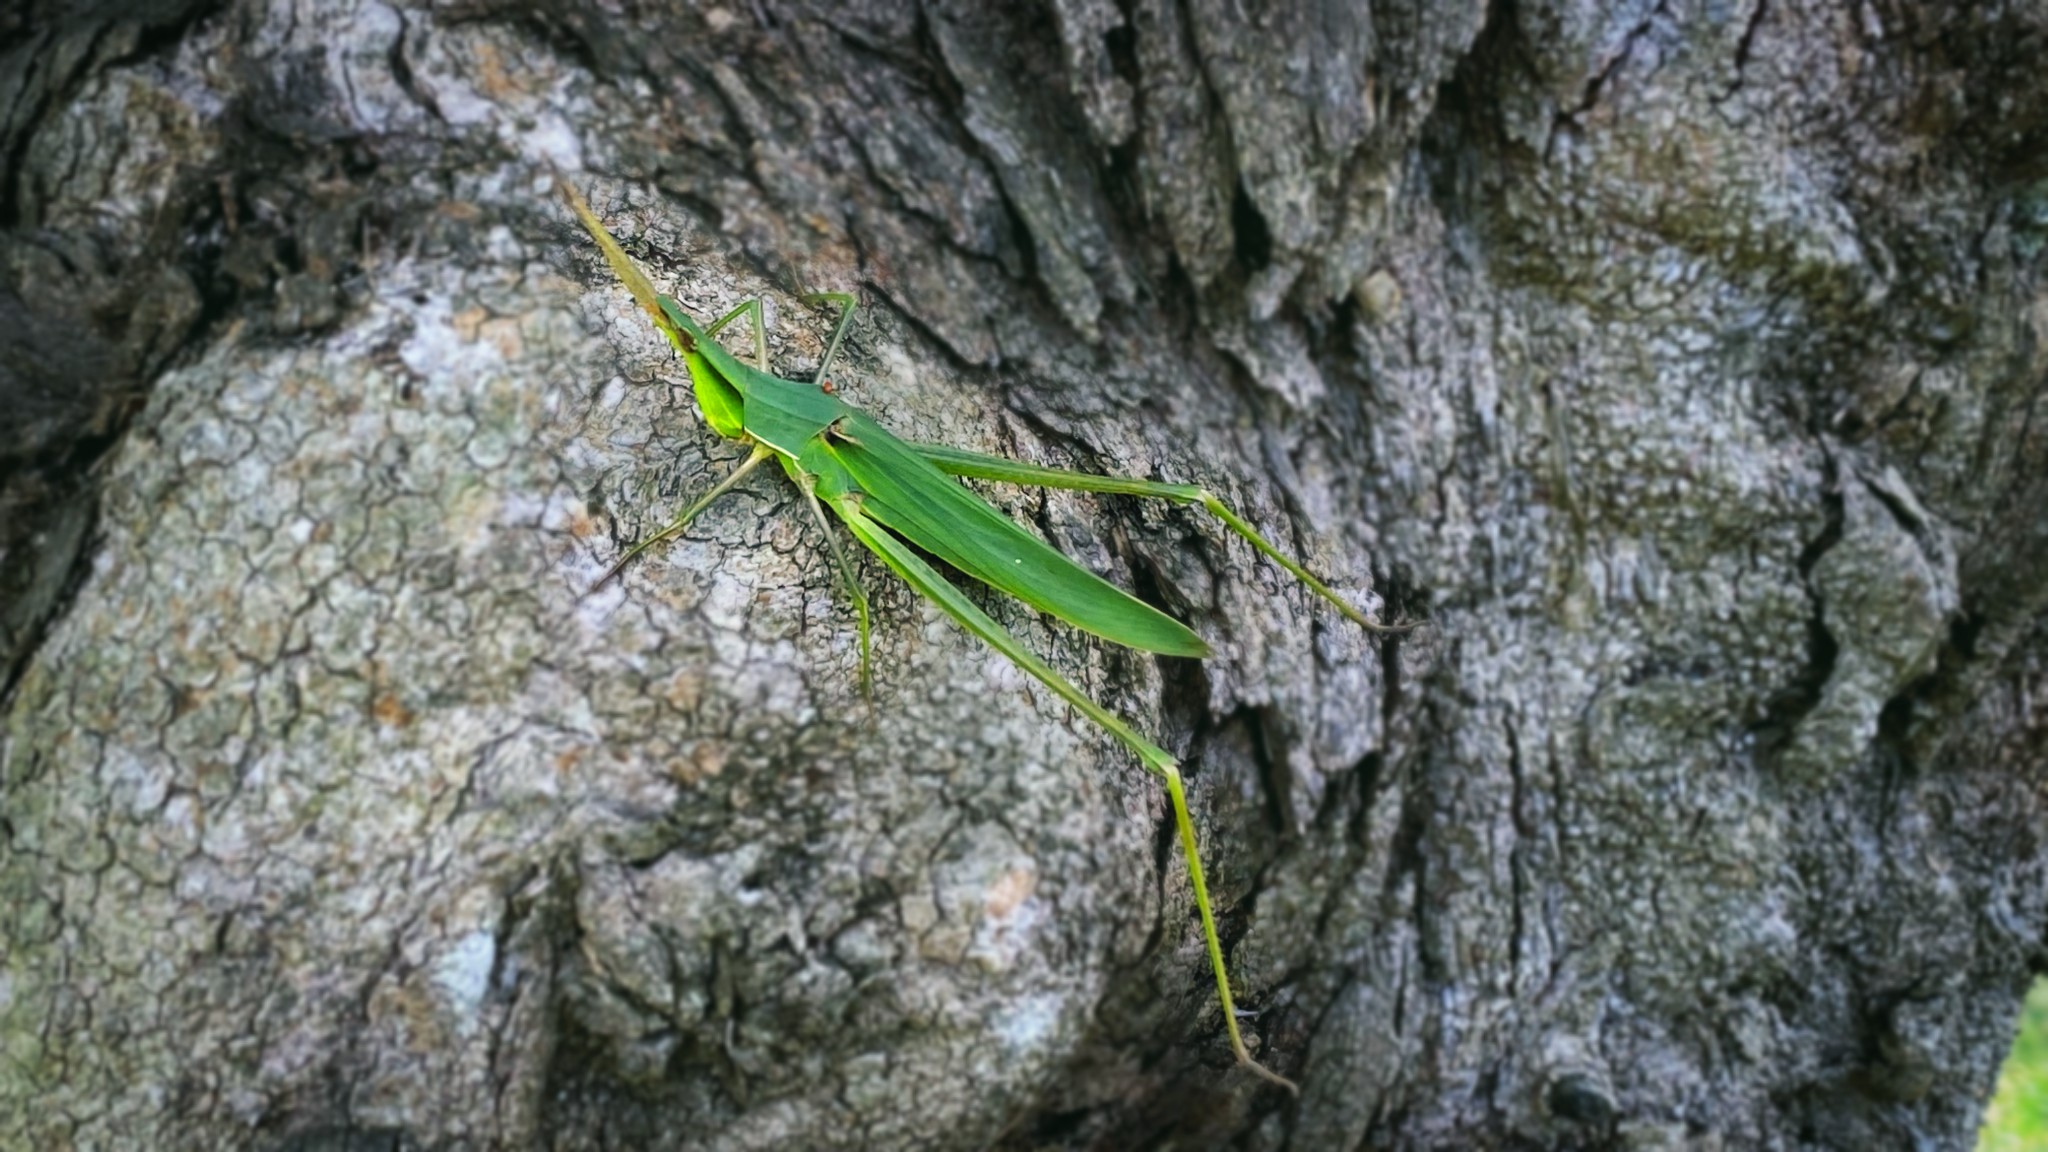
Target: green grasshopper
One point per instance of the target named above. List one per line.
(893, 495)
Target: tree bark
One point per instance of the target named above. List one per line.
(1676, 364)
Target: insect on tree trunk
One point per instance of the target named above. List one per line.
(1677, 364)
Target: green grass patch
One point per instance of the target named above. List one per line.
(2017, 1120)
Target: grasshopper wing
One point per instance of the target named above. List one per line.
(911, 497)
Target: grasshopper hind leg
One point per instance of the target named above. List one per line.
(905, 562)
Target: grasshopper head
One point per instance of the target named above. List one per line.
(723, 406)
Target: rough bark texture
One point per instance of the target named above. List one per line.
(1678, 362)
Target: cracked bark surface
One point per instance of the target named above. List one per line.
(1678, 363)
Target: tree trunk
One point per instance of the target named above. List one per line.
(1677, 365)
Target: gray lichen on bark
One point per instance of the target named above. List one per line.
(1678, 363)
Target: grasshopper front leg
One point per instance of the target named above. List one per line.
(752, 307)
(676, 526)
(846, 303)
